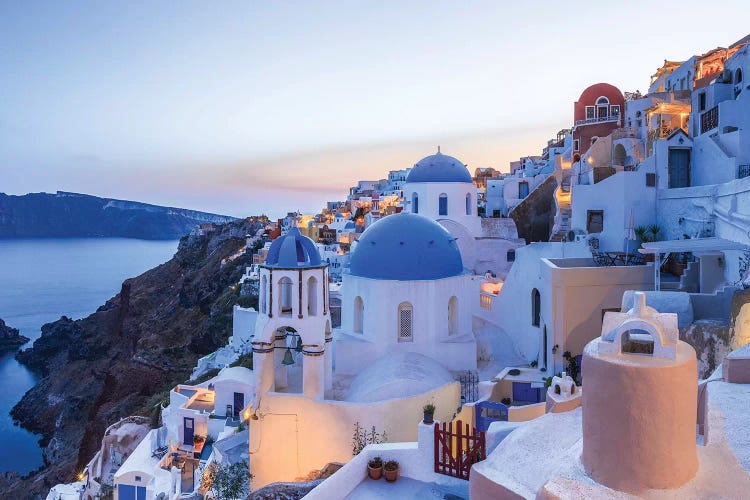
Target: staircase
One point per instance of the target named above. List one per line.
(564, 211)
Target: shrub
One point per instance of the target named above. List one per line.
(362, 438)
(429, 408)
(375, 463)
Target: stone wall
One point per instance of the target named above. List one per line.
(535, 216)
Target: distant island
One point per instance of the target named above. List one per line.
(69, 215)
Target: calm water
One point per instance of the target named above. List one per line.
(43, 279)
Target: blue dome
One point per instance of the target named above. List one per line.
(406, 247)
(439, 168)
(293, 250)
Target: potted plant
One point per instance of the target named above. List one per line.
(375, 468)
(647, 234)
(429, 413)
(390, 469)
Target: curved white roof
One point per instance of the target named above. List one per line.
(237, 374)
(398, 375)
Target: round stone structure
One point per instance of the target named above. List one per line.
(639, 408)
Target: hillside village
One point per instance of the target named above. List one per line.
(574, 328)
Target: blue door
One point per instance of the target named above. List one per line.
(489, 411)
(130, 492)
(239, 403)
(125, 492)
(524, 393)
(188, 426)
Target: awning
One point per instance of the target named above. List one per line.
(695, 245)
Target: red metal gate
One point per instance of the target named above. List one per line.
(457, 450)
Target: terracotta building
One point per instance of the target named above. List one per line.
(596, 114)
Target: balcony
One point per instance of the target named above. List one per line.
(603, 119)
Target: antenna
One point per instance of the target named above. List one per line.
(438, 148)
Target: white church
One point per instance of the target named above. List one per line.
(408, 302)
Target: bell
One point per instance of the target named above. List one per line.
(299, 345)
(288, 360)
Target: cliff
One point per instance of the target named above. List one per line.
(64, 215)
(120, 360)
(10, 338)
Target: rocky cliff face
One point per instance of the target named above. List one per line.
(138, 344)
(10, 338)
(63, 215)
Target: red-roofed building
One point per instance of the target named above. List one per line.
(596, 114)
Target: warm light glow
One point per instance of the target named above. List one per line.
(246, 414)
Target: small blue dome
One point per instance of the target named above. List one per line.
(406, 247)
(293, 250)
(439, 168)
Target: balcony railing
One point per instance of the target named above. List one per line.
(710, 119)
(485, 301)
(603, 119)
(743, 171)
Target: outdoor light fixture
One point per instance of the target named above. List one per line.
(299, 345)
(288, 360)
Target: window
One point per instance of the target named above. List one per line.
(405, 312)
(602, 107)
(536, 308)
(590, 112)
(453, 315)
(468, 203)
(575, 145)
(614, 110)
(702, 101)
(415, 203)
(601, 101)
(359, 313)
(523, 190)
(263, 286)
(443, 204)
(510, 256)
(650, 180)
(738, 76)
(312, 296)
(595, 221)
(285, 291)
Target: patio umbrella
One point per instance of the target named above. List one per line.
(629, 230)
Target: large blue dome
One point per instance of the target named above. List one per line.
(439, 168)
(406, 247)
(293, 250)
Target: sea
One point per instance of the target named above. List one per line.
(42, 280)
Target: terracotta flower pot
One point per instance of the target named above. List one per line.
(375, 472)
(391, 475)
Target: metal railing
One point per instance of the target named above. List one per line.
(743, 171)
(485, 301)
(603, 119)
(710, 119)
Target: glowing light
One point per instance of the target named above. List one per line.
(246, 414)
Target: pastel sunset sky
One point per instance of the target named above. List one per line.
(263, 107)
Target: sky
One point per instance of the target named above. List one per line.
(243, 108)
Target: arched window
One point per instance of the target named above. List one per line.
(263, 291)
(602, 107)
(405, 324)
(510, 255)
(312, 296)
(536, 307)
(285, 299)
(468, 203)
(359, 314)
(620, 155)
(453, 315)
(443, 204)
(738, 76)
(415, 203)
